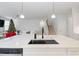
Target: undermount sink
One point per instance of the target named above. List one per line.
(43, 42)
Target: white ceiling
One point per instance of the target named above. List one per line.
(35, 9)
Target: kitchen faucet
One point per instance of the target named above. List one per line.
(42, 32)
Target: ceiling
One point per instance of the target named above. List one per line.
(35, 10)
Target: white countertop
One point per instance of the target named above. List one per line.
(21, 41)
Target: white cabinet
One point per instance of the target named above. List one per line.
(43, 51)
(51, 52)
(73, 51)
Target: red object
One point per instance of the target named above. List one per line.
(9, 34)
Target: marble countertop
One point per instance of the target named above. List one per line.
(21, 41)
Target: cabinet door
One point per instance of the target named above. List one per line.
(42, 52)
(73, 51)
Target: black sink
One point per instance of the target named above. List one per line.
(43, 42)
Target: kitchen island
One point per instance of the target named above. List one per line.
(66, 46)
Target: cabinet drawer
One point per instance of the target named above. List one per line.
(11, 50)
(73, 51)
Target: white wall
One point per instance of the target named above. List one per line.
(69, 25)
(73, 23)
(62, 24)
(75, 16)
(25, 25)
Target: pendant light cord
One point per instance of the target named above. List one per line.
(22, 6)
(17, 11)
(53, 7)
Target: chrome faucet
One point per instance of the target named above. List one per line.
(42, 32)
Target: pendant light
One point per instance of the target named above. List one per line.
(22, 16)
(53, 16)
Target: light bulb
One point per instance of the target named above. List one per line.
(53, 16)
(21, 16)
